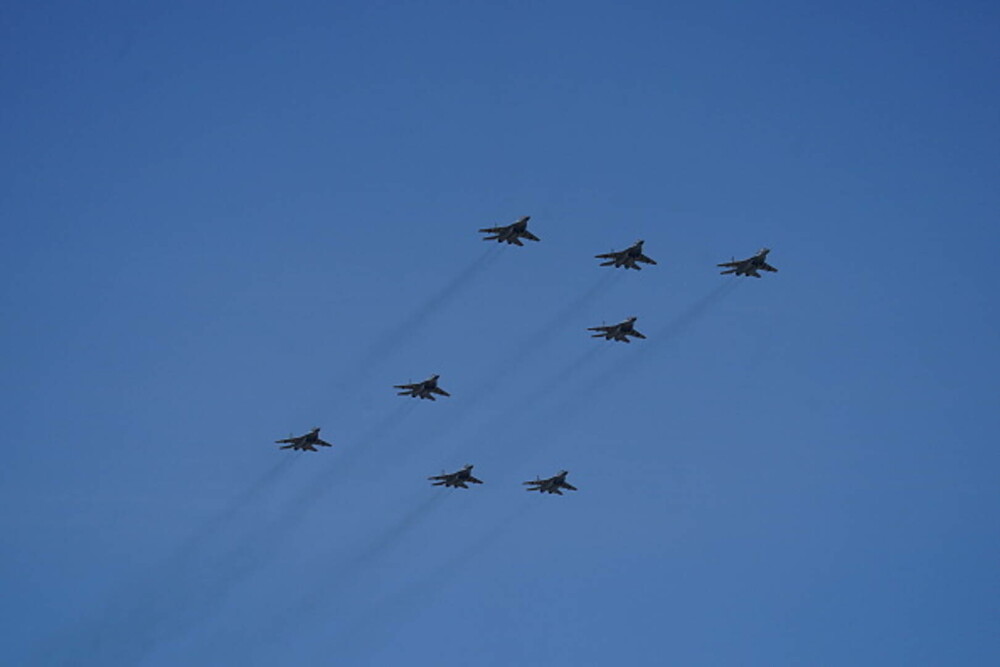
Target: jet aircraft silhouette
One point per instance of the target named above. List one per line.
(749, 266)
(305, 442)
(551, 485)
(425, 389)
(619, 332)
(627, 257)
(458, 479)
(512, 233)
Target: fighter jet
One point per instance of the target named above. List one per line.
(749, 266)
(551, 485)
(512, 233)
(425, 389)
(304, 442)
(619, 332)
(626, 258)
(457, 479)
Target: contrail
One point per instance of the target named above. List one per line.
(354, 452)
(196, 583)
(382, 348)
(674, 328)
(344, 574)
(694, 312)
(573, 397)
(349, 571)
(261, 543)
(518, 354)
(565, 374)
(239, 504)
(135, 620)
(393, 610)
(562, 376)
(576, 305)
(526, 407)
(419, 316)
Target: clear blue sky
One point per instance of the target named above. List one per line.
(226, 222)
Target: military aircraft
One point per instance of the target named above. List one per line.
(425, 389)
(512, 233)
(551, 485)
(457, 479)
(620, 331)
(305, 442)
(749, 266)
(626, 258)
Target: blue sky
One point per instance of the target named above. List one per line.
(226, 222)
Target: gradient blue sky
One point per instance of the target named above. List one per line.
(226, 222)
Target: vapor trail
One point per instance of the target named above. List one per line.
(517, 354)
(251, 553)
(351, 453)
(565, 374)
(435, 302)
(238, 505)
(192, 584)
(574, 397)
(383, 346)
(199, 582)
(527, 404)
(694, 312)
(680, 324)
(353, 567)
(340, 575)
(573, 307)
(136, 619)
(393, 610)
(521, 352)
